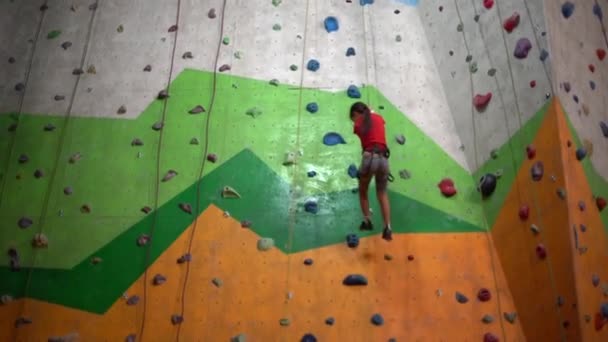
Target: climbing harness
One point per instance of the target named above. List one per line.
(383, 151)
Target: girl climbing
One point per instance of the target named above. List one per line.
(369, 126)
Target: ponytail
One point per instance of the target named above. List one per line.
(362, 108)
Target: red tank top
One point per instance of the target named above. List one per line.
(374, 136)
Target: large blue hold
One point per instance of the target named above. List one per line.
(333, 138)
(309, 338)
(352, 240)
(366, 2)
(581, 153)
(353, 92)
(313, 65)
(331, 24)
(567, 9)
(311, 207)
(355, 280)
(350, 52)
(377, 319)
(312, 107)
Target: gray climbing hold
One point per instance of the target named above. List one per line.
(274, 82)
(187, 55)
(77, 71)
(566, 86)
(388, 257)
(137, 142)
(522, 48)
(38, 174)
(510, 316)
(239, 338)
(59, 98)
(604, 310)
(561, 192)
(276, 27)
(172, 28)
(460, 27)
(487, 319)
(211, 14)
(377, 319)
(159, 279)
(148, 68)
(169, 175)
(534, 228)
(398, 38)
(5, 299)
(163, 94)
(293, 67)
(254, 112)
(121, 110)
(224, 67)
(265, 244)
(11, 60)
(71, 337)
(25, 222)
(20, 87)
(49, 127)
(405, 174)
(476, 17)
(75, 157)
(68, 190)
(604, 128)
(66, 45)
(400, 139)
(537, 171)
(543, 55)
(491, 72)
(186, 207)
(176, 319)
(473, 67)
(494, 154)
(284, 322)
(131, 338)
(157, 126)
(197, 110)
(217, 282)
(133, 300)
(238, 54)
(355, 280)
(468, 58)
(595, 280)
(460, 298)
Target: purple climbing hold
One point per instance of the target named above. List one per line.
(38, 174)
(133, 300)
(597, 11)
(333, 138)
(592, 85)
(575, 98)
(567, 9)
(537, 171)
(595, 280)
(604, 128)
(522, 48)
(184, 258)
(23, 159)
(159, 279)
(25, 222)
(176, 319)
(131, 338)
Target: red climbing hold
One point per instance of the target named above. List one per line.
(447, 187)
(541, 251)
(601, 54)
(532, 84)
(489, 337)
(599, 321)
(481, 101)
(531, 152)
(524, 212)
(410, 257)
(511, 22)
(600, 202)
(484, 295)
(591, 67)
(488, 3)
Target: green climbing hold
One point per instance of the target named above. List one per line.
(487, 319)
(239, 338)
(276, 2)
(473, 67)
(284, 322)
(277, 27)
(460, 27)
(226, 41)
(494, 154)
(194, 141)
(510, 316)
(254, 112)
(274, 82)
(265, 244)
(238, 55)
(54, 34)
(492, 72)
(217, 282)
(120, 29)
(293, 67)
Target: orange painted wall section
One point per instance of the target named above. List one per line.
(536, 284)
(254, 295)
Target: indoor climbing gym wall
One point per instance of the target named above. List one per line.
(187, 170)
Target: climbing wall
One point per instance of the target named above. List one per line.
(178, 171)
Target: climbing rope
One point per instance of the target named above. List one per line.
(66, 121)
(202, 168)
(158, 177)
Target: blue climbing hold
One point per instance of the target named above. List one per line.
(567, 9)
(333, 138)
(575, 98)
(312, 107)
(353, 172)
(366, 2)
(309, 338)
(377, 319)
(352, 240)
(311, 206)
(353, 92)
(313, 65)
(331, 24)
(308, 261)
(311, 173)
(592, 85)
(604, 128)
(581, 153)
(350, 52)
(543, 55)
(604, 310)
(330, 321)
(355, 280)
(597, 11)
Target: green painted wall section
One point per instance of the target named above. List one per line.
(510, 158)
(117, 180)
(123, 261)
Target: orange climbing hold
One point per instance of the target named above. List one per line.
(447, 188)
(481, 101)
(601, 54)
(511, 22)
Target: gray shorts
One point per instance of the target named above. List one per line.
(376, 165)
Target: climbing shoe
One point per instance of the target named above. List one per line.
(387, 234)
(366, 225)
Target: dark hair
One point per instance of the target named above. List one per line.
(362, 108)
